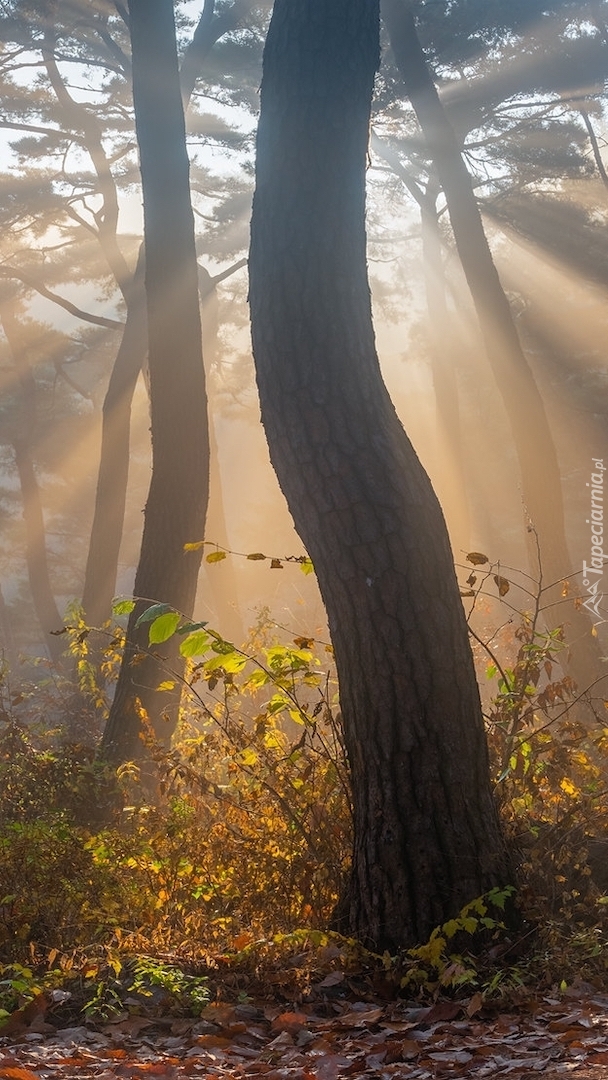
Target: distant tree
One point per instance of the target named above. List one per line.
(92, 141)
(177, 502)
(532, 436)
(22, 425)
(427, 837)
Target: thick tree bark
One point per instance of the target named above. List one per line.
(427, 837)
(539, 467)
(177, 501)
(36, 558)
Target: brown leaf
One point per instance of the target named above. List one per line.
(477, 558)
(475, 1004)
(443, 1010)
(503, 584)
(289, 1021)
(360, 1019)
(409, 1049)
(334, 977)
(22, 1018)
(456, 1057)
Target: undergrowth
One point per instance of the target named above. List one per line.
(233, 876)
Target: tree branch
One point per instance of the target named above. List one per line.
(32, 283)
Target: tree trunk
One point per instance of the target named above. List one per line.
(539, 468)
(220, 580)
(445, 383)
(112, 478)
(177, 501)
(427, 838)
(111, 493)
(36, 558)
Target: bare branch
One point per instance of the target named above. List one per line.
(32, 283)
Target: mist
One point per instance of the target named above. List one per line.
(535, 150)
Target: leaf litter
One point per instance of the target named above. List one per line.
(558, 1036)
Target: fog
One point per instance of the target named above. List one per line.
(534, 145)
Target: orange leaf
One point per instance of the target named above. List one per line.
(13, 1072)
(213, 1042)
(289, 1021)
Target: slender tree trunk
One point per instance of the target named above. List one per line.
(539, 468)
(220, 580)
(427, 837)
(111, 493)
(445, 383)
(36, 558)
(177, 501)
(112, 478)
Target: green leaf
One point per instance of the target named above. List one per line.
(163, 627)
(452, 927)
(230, 662)
(306, 566)
(196, 644)
(257, 678)
(188, 627)
(152, 613)
(122, 607)
(470, 924)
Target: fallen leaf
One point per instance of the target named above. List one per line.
(333, 979)
(289, 1021)
(13, 1072)
(360, 1019)
(475, 1004)
(442, 1010)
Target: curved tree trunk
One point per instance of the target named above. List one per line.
(427, 837)
(177, 501)
(539, 468)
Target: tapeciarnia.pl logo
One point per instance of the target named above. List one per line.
(593, 571)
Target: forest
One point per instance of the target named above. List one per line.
(303, 633)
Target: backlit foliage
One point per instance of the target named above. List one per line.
(246, 841)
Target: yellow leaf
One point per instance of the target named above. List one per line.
(215, 556)
(196, 546)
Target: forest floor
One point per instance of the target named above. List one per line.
(558, 1035)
